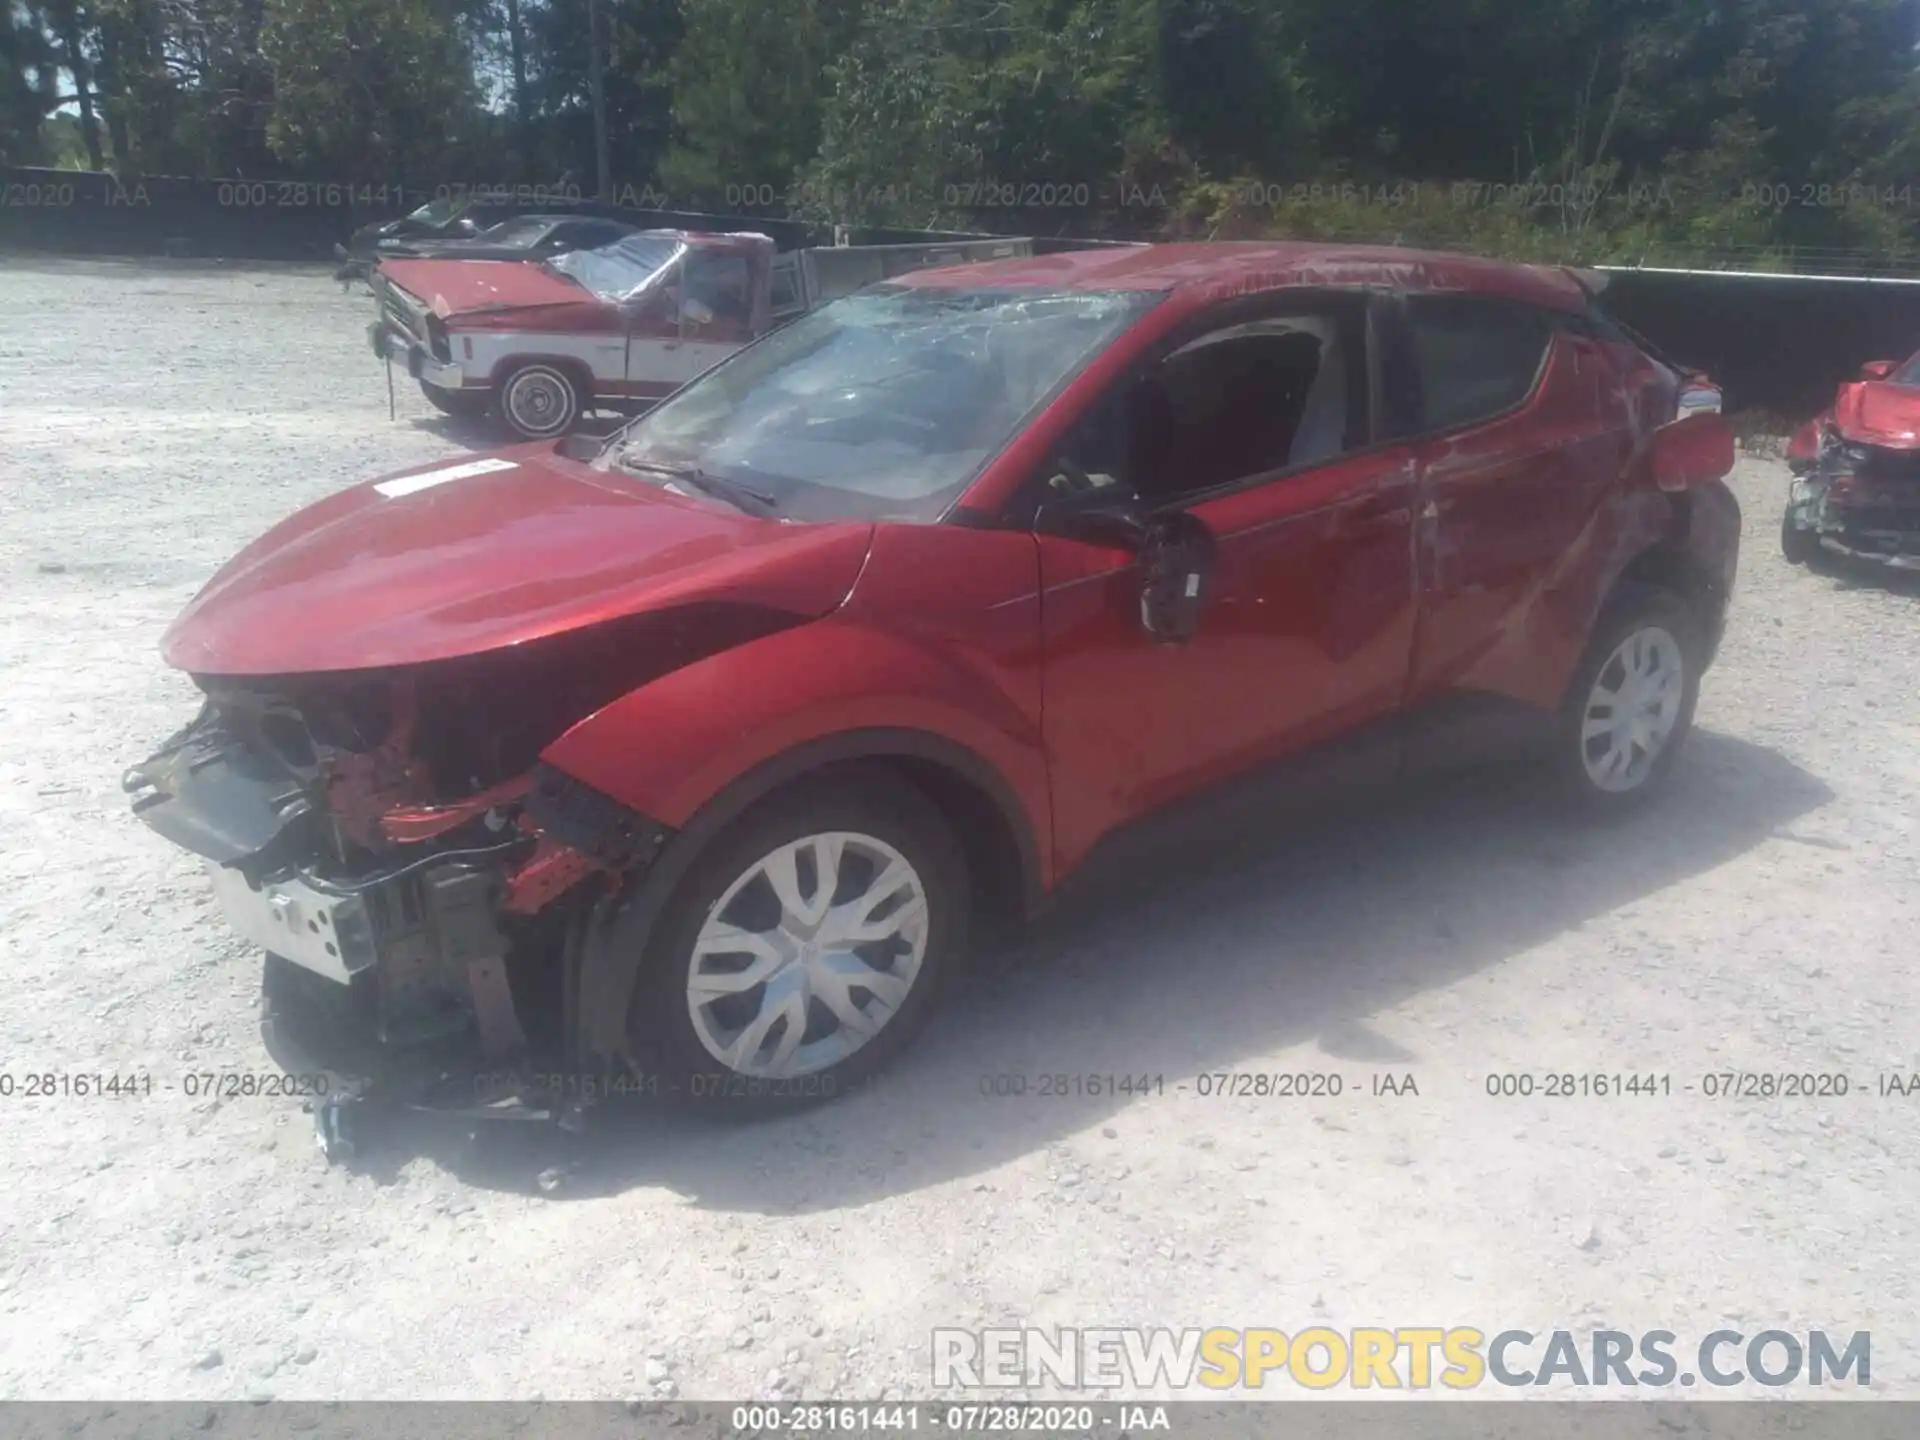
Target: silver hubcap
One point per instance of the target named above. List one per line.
(1632, 709)
(807, 955)
(539, 401)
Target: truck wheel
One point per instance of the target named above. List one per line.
(1631, 702)
(539, 401)
(805, 948)
(460, 404)
(1801, 547)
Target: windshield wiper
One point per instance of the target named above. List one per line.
(741, 497)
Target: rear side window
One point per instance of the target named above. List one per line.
(1474, 357)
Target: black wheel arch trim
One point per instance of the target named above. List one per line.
(609, 972)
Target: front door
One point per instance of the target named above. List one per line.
(689, 322)
(1260, 426)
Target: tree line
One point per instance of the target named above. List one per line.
(1768, 130)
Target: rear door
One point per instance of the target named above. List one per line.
(1521, 430)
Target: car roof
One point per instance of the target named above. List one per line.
(1209, 270)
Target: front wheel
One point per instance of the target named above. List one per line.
(805, 948)
(1631, 703)
(1801, 547)
(539, 401)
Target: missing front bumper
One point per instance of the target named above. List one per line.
(419, 361)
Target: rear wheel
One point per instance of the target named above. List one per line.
(1631, 703)
(539, 401)
(460, 404)
(805, 948)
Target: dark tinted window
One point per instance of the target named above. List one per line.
(1474, 357)
(587, 233)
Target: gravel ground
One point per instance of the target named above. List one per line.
(153, 418)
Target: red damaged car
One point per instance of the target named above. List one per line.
(697, 754)
(1856, 488)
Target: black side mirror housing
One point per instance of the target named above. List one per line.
(1176, 552)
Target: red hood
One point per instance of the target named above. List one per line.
(1873, 412)
(454, 287)
(478, 554)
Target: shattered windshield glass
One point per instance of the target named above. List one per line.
(614, 272)
(884, 404)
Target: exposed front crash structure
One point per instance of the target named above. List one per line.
(1855, 499)
(415, 880)
(1856, 468)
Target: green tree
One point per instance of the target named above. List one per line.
(367, 91)
(749, 87)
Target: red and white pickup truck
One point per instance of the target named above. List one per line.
(540, 342)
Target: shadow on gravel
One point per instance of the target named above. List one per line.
(1848, 573)
(484, 433)
(1234, 948)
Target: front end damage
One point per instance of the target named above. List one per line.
(1856, 499)
(413, 872)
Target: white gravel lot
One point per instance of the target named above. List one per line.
(155, 417)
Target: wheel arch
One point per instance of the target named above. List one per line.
(1674, 561)
(996, 835)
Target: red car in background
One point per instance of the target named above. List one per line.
(697, 754)
(1856, 466)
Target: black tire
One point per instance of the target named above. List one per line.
(460, 404)
(865, 802)
(1635, 608)
(1801, 547)
(539, 401)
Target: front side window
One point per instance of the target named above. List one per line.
(1907, 374)
(1243, 401)
(885, 404)
(1474, 357)
(717, 293)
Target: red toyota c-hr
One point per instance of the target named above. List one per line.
(697, 753)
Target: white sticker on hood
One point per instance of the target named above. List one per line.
(427, 479)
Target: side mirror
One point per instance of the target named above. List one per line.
(1878, 369)
(1694, 450)
(1176, 552)
(1177, 560)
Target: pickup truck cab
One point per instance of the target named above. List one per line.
(620, 326)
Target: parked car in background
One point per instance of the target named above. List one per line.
(1856, 468)
(458, 217)
(525, 237)
(693, 758)
(619, 326)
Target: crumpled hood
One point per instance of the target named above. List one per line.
(466, 556)
(1873, 412)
